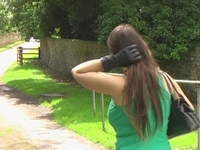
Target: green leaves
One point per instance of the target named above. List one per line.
(5, 17)
(26, 15)
(170, 28)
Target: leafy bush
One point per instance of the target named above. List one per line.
(170, 27)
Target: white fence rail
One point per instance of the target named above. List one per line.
(179, 81)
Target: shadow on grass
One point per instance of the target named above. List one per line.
(17, 96)
(74, 107)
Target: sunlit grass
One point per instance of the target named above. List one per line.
(33, 53)
(185, 142)
(3, 48)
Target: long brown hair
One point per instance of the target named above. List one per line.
(141, 89)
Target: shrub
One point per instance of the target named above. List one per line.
(170, 27)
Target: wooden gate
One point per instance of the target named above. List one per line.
(27, 51)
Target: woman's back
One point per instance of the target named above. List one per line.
(141, 86)
(128, 138)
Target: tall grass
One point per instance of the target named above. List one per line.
(74, 110)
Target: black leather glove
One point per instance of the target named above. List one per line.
(123, 58)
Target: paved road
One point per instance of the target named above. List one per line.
(28, 126)
(9, 56)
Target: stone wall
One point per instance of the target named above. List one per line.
(6, 39)
(62, 55)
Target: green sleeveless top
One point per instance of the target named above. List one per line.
(126, 135)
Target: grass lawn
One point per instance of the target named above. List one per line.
(75, 109)
(10, 46)
(30, 53)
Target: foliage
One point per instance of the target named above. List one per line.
(54, 21)
(55, 18)
(82, 17)
(115, 13)
(170, 28)
(25, 17)
(5, 17)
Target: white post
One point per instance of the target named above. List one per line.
(93, 102)
(102, 105)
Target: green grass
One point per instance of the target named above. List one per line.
(74, 110)
(185, 142)
(29, 54)
(3, 48)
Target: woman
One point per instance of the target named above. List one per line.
(140, 104)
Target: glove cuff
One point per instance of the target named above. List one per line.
(107, 63)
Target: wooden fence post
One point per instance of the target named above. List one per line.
(39, 52)
(19, 56)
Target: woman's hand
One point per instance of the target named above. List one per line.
(125, 57)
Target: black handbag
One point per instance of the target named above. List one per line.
(182, 117)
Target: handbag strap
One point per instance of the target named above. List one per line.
(170, 84)
(172, 89)
(167, 80)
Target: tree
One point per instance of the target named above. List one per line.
(54, 21)
(56, 18)
(170, 27)
(25, 16)
(5, 17)
(81, 17)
